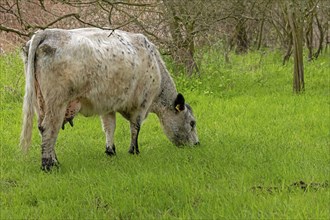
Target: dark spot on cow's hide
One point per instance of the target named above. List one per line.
(46, 49)
(123, 52)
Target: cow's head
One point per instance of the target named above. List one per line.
(179, 123)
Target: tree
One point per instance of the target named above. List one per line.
(175, 24)
(295, 14)
(182, 26)
(178, 27)
(240, 36)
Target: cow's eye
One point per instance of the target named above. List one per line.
(192, 124)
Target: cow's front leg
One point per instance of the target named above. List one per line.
(135, 129)
(49, 131)
(109, 126)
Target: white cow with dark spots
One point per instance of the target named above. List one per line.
(94, 71)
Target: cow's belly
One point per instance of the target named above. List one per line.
(100, 106)
(126, 97)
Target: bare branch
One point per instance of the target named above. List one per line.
(108, 11)
(7, 9)
(126, 3)
(79, 3)
(55, 21)
(7, 29)
(19, 15)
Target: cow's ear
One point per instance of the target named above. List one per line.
(179, 103)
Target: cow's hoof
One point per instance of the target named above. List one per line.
(111, 151)
(133, 150)
(48, 163)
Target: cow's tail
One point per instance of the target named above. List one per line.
(30, 93)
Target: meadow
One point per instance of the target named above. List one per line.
(264, 153)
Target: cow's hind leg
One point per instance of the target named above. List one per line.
(135, 126)
(51, 125)
(109, 126)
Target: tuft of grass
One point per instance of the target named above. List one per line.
(259, 141)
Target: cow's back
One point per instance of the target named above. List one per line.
(107, 71)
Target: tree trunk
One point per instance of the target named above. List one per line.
(227, 48)
(320, 47)
(327, 39)
(181, 31)
(241, 37)
(289, 49)
(260, 34)
(296, 23)
(309, 36)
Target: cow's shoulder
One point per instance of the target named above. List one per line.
(136, 39)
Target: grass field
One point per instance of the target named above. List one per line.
(264, 153)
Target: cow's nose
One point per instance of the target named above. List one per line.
(197, 143)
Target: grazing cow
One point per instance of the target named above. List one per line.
(94, 71)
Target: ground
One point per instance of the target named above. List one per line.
(264, 151)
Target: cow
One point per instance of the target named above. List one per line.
(99, 72)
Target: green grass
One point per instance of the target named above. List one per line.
(257, 140)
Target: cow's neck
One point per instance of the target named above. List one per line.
(165, 100)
